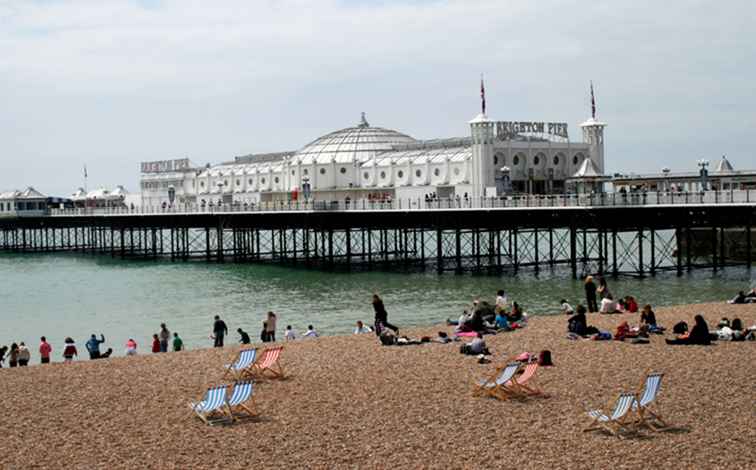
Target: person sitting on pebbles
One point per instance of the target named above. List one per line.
(475, 347)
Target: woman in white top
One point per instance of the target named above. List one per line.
(361, 328)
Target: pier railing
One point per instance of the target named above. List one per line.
(503, 202)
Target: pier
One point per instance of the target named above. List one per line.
(638, 238)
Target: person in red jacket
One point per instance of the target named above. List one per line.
(70, 350)
(155, 343)
(44, 350)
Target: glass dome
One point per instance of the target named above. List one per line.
(358, 143)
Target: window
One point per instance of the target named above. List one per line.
(456, 171)
(342, 170)
(293, 172)
(366, 175)
(202, 184)
(418, 173)
(536, 160)
(400, 174)
(575, 160)
(305, 172)
(322, 171)
(250, 181)
(276, 180)
(383, 175)
(496, 159)
(556, 160)
(238, 182)
(262, 180)
(225, 182)
(516, 160)
(436, 172)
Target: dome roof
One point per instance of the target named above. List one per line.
(359, 143)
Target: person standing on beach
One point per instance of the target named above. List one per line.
(69, 351)
(44, 351)
(13, 355)
(264, 332)
(219, 331)
(271, 326)
(603, 288)
(590, 294)
(178, 344)
(155, 343)
(23, 355)
(131, 347)
(165, 336)
(93, 345)
(3, 350)
(381, 316)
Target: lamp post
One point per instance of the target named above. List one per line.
(306, 188)
(171, 194)
(506, 186)
(665, 172)
(702, 164)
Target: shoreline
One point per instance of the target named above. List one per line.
(350, 402)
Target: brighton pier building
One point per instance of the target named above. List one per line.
(368, 162)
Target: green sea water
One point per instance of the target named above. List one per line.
(77, 295)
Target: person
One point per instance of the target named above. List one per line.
(577, 323)
(647, 316)
(476, 346)
(608, 305)
(310, 333)
(155, 343)
(13, 355)
(106, 354)
(271, 326)
(131, 347)
(590, 294)
(630, 304)
(178, 343)
(361, 328)
(23, 355)
(69, 350)
(738, 332)
(93, 345)
(264, 332)
(501, 321)
(566, 307)
(3, 350)
(516, 312)
(603, 288)
(501, 299)
(219, 331)
(698, 335)
(738, 299)
(165, 336)
(381, 316)
(623, 331)
(243, 336)
(44, 351)
(289, 335)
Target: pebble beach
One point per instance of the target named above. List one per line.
(348, 402)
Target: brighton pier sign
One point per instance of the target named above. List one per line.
(162, 166)
(505, 130)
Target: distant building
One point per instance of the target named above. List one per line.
(19, 203)
(723, 178)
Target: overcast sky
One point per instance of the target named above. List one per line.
(109, 83)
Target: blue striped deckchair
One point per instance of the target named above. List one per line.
(492, 386)
(211, 408)
(243, 362)
(617, 422)
(241, 394)
(646, 415)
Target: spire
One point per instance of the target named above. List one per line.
(593, 103)
(482, 96)
(363, 121)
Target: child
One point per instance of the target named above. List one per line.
(131, 347)
(155, 343)
(566, 308)
(310, 333)
(289, 335)
(178, 344)
(69, 350)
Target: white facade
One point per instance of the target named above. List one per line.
(366, 162)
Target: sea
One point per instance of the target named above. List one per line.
(60, 295)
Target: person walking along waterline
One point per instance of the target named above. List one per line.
(165, 336)
(271, 327)
(44, 351)
(69, 351)
(13, 355)
(381, 316)
(219, 331)
(590, 294)
(93, 345)
(178, 344)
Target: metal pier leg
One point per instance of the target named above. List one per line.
(535, 246)
(714, 260)
(749, 244)
(688, 248)
(640, 252)
(551, 246)
(515, 254)
(573, 252)
(458, 250)
(653, 253)
(439, 251)
(722, 254)
(349, 248)
(600, 235)
(615, 268)
(678, 240)
(330, 248)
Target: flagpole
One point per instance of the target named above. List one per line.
(86, 190)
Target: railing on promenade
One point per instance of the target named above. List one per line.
(502, 202)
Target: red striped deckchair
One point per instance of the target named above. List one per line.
(268, 362)
(526, 383)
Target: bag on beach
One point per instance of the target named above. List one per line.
(680, 328)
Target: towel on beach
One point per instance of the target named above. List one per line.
(467, 333)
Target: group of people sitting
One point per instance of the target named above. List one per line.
(743, 298)
(577, 325)
(484, 318)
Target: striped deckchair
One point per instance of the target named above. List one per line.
(211, 408)
(243, 361)
(618, 421)
(269, 362)
(646, 415)
(491, 386)
(525, 383)
(237, 407)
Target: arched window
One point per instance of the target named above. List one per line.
(322, 171)
(536, 160)
(556, 160)
(383, 175)
(366, 175)
(276, 180)
(436, 172)
(400, 174)
(262, 180)
(516, 160)
(342, 170)
(418, 173)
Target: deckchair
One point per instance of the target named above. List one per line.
(525, 383)
(268, 362)
(211, 408)
(243, 361)
(618, 421)
(490, 386)
(646, 415)
(241, 394)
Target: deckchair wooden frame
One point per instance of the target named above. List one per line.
(526, 383)
(493, 387)
(247, 411)
(650, 413)
(217, 415)
(617, 425)
(261, 366)
(240, 373)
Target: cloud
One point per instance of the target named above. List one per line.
(113, 83)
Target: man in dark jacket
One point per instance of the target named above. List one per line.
(219, 331)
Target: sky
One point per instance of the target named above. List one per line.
(108, 84)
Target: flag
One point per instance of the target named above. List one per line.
(85, 171)
(593, 102)
(482, 95)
